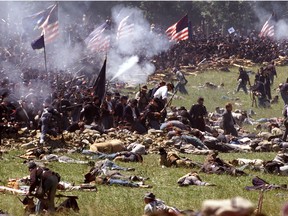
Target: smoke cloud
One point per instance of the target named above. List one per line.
(129, 58)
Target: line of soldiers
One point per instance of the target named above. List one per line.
(217, 46)
(74, 108)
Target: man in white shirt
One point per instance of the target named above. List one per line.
(161, 96)
(162, 92)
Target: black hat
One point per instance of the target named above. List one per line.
(124, 97)
(149, 196)
(162, 151)
(144, 87)
(200, 99)
(182, 108)
(134, 102)
(32, 165)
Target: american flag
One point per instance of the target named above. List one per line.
(34, 21)
(268, 28)
(125, 28)
(98, 40)
(50, 27)
(179, 31)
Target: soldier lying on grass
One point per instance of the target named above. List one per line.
(192, 178)
(213, 164)
(169, 159)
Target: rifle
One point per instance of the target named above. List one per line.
(11, 190)
(34, 195)
(169, 102)
(66, 196)
(201, 62)
(254, 101)
(75, 78)
(71, 82)
(139, 91)
(260, 202)
(73, 106)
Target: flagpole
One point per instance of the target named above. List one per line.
(106, 84)
(45, 60)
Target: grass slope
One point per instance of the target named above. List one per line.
(221, 96)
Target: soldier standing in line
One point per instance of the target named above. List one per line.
(107, 112)
(143, 98)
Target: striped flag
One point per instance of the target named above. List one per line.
(268, 28)
(125, 28)
(99, 40)
(34, 21)
(179, 31)
(50, 27)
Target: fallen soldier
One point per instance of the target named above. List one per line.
(260, 184)
(192, 178)
(101, 166)
(172, 159)
(236, 206)
(137, 148)
(168, 125)
(213, 164)
(255, 164)
(181, 140)
(108, 164)
(96, 172)
(61, 159)
(99, 155)
(65, 186)
(123, 156)
(127, 156)
(279, 165)
(156, 206)
(35, 153)
(121, 182)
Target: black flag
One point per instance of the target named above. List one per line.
(99, 85)
(38, 43)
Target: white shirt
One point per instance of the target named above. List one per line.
(162, 92)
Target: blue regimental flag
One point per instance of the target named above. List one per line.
(38, 43)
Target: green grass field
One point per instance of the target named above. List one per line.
(221, 96)
(113, 200)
